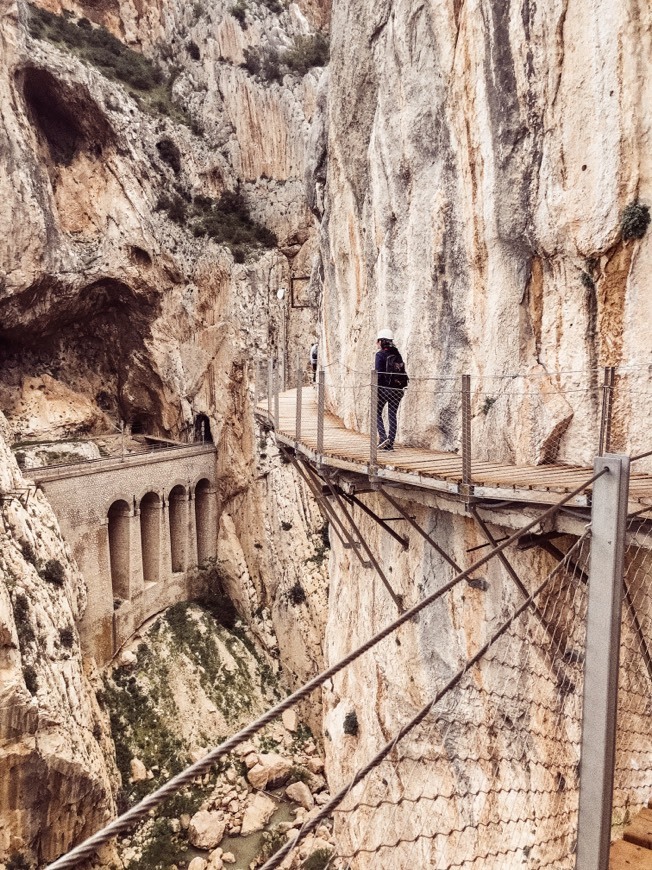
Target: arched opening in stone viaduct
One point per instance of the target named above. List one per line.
(150, 536)
(119, 548)
(204, 519)
(178, 501)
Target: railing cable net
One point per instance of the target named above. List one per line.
(503, 693)
(137, 813)
(633, 772)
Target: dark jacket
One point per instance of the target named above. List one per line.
(381, 364)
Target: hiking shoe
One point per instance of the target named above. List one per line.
(382, 445)
(387, 445)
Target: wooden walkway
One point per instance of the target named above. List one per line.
(634, 851)
(432, 469)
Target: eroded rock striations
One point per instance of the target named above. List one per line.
(57, 779)
(480, 161)
(152, 200)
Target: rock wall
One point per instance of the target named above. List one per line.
(57, 776)
(479, 163)
(473, 168)
(117, 305)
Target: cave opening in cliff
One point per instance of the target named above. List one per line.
(65, 116)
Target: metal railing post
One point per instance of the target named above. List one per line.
(599, 709)
(276, 395)
(466, 436)
(373, 429)
(607, 403)
(297, 428)
(321, 382)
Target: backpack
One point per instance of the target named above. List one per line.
(395, 368)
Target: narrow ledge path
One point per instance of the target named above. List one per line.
(428, 469)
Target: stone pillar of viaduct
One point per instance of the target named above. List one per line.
(136, 527)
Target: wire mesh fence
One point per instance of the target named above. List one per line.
(551, 420)
(633, 770)
(489, 777)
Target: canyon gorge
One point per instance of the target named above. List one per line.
(190, 190)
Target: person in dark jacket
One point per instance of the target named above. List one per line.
(389, 393)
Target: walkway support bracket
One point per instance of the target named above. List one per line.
(352, 499)
(395, 504)
(600, 704)
(326, 509)
(397, 599)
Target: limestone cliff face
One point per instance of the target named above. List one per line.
(56, 786)
(124, 297)
(472, 165)
(479, 160)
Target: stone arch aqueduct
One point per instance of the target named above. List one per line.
(135, 525)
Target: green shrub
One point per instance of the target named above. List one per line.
(239, 12)
(587, 280)
(297, 594)
(351, 725)
(31, 681)
(29, 554)
(193, 50)
(24, 628)
(67, 637)
(308, 52)
(174, 206)
(170, 153)
(272, 841)
(299, 774)
(227, 221)
(634, 221)
(264, 61)
(53, 572)
(319, 860)
(18, 862)
(143, 78)
(274, 6)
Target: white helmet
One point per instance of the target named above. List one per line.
(386, 333)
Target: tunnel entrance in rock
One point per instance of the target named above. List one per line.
(65, 116)
(203, 429)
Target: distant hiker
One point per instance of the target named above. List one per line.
(313, 361)
(392, 380)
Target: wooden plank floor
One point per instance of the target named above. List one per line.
(434, 469)
(634, 851)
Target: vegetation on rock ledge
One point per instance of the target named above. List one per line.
(144, 79)
(634, 221)
(226, 221)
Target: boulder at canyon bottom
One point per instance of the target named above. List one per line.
(206, 829)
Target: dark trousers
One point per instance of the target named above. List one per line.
(392, 398)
